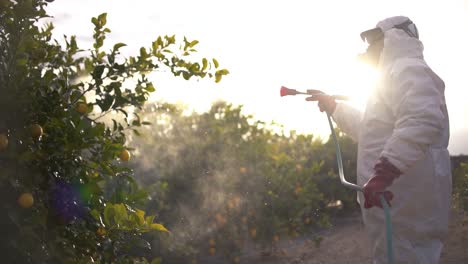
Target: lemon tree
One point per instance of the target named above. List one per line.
(460, 182)
(232, 181)
(65, 113)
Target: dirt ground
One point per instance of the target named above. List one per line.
(346, 242)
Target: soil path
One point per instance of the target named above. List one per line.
(347, 243)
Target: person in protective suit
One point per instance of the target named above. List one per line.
(402, 141)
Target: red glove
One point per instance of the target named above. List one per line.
(326, 103)
(385, 173)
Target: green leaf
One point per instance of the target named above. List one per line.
(141, 216)
(218, 78)
(158, 227)
(21, 62)
(222, 72)
(123, 112)
(121, 214)
(205, 64)
(88, 65)
(118, 46)
(106, 168)
(106, 103)
(150, 88)
(159, 41)
(98, 70)
(95, 214)
(95, 21)
(48, 76)
(156, 261)
(149, 219)
(195, 68)
(170, 40)
(193, 43)
(99, 130)
(109, 214)
(186, 75)
(136, 132)
(216, 63)
(143, 53)
(102, 19)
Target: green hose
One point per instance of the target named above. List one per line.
(386, 207)
(388, 224)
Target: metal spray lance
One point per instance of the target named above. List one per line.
(287, 91)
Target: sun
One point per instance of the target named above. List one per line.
(357, 83)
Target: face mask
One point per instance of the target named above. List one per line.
(374, 37)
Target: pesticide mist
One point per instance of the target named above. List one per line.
(223, 183)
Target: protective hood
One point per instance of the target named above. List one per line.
(399, 43)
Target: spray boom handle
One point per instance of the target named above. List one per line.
(341, 97)
(336, 97)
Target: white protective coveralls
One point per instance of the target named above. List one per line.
(406, 121)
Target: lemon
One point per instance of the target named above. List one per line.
(212, 251)
(212, 242)
(82, 108)
(276, 238)
(253, 232)
(36, 131)
(101, 231)
(124, 155)
(26, 200)
(3, 141)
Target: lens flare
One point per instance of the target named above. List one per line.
(67, 202)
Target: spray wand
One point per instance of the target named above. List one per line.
(287, 91)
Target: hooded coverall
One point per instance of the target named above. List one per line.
(406, 121)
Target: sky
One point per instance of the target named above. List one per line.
(268, 44)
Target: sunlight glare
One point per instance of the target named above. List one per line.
(360, 82)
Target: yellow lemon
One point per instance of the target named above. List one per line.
(253, 232)
(212, 251)
(220, 219)
(125, 155)
(36, 131)
(3, 141)
(212, 242)
(82, 108)
(244, 219)
(26, 200)
(243, 170)
(298, 190)
(101, 231)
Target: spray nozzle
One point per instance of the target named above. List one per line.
(286, 91)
